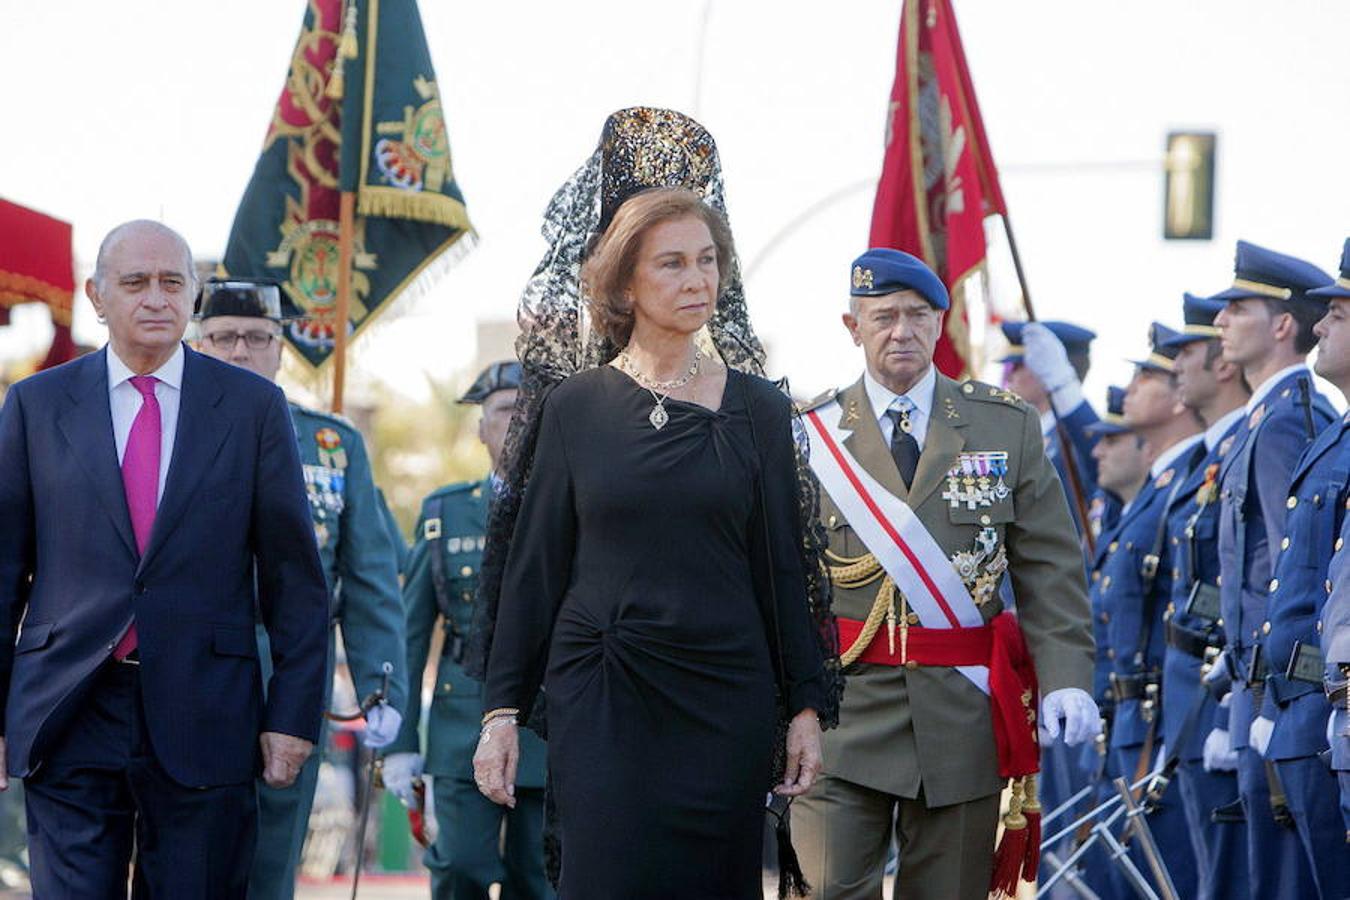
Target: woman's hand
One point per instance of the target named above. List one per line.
(494, 763)
(803, 755)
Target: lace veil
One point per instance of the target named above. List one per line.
(639, 148)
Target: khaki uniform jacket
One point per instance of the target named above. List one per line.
(901, 729)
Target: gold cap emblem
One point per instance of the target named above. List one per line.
(862, 278)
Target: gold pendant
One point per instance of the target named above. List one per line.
(658, 417)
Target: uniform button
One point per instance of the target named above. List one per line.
(1109, 694)
(1274, 585)
(1129, 545)
(466, 571)
(1328, 585)
(1218, 622)
(1175, 541)
(833, 520)
(1319, 626)
(1340, 542)
(912, 619)
(467, 596)
(1291, 502)
(1111, 547)
(1096, 576)
(1284, 544)
(447, 687)
(1317, 498)
(984, 520)
(1105, 617)
(911, 664)
(1171, 609)
(1110, 652)
(1176, 574)
(968, 388)
(1265, 628)
(1218, 580)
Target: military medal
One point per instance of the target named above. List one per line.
(331, 452)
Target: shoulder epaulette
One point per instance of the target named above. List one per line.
(448, 490)
(336, 418)
(987, 393)
(818, 401)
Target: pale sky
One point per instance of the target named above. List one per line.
(114, 111)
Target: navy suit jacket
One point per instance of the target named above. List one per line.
(233, 512)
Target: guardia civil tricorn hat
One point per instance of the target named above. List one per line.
(254, 298)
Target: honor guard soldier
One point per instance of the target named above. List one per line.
(1135, 587)
(1214, 390)
(241, 322)
(1266, 327)
(1045, 365)
(933, 490)
(469, 854)
(1290, 729)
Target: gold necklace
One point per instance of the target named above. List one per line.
(658, 416)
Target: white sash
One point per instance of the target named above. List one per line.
(895, 536)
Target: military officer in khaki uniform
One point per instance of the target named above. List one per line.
(916, 755)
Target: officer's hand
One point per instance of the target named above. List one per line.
(283, 755)
(1218, 754)
(382, 724)
(1259, 735)
(494, 763)
(1047, 359)
(1082, 719)
(803, 755)
(399, 771)
(4, 771)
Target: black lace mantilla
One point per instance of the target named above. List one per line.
(639, 148)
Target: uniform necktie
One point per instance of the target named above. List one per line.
(140, 479)
(904, 448)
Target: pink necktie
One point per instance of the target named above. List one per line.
(140, 479)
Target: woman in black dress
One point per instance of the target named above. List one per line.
(654, 586)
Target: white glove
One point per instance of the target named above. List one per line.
(399, 772)
(1259, 735)
(1045, 356)
(1218, 753)
(1331, 729)
(382, 724)
(1082, 719)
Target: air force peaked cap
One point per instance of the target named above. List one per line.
(1162, 353)
(882, 270)
(1113, 422)
(1075, 338)
(1258, 272)
(499, 376)
(1199, 314)
(1340, 288)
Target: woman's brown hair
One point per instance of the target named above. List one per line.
(609, 266)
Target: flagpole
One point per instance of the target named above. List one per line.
(346, 229)
(1066, 446)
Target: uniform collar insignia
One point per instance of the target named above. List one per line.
(1257, 415)
(1165, 478)
(1226, 444)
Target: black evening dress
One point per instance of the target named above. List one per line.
(637, 591)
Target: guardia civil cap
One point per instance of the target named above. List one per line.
(1340, 288)
(1162, 354)
(1199, 314)
(499, 376)
(254, 298)
(882, 270)
(1113, 421)
(1075, 338)
(1258, 272)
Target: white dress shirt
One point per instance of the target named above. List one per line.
(921, 395)
(1172, 454)
(1215, 432)
(126, 401)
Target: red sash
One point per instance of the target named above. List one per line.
(1012, 678)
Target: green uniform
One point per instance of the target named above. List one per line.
(914, 750)
(359, 561)
(441, 581)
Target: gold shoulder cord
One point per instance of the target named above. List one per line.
(858, 572)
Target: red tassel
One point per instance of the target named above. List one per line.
(1032, 810)
(1012, 849)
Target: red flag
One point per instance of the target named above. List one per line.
(938, 181)
(37, 266)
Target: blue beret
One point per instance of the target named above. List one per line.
(882, 270)
(1340, 288)
(497, 377)
(1162, 352)
(1199, 314)
(1258, 272)
(1075, 338)
(1113, 422)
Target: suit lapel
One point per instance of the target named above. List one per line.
(864, 441)
(88, 429)
(201, 431)
(943, 441)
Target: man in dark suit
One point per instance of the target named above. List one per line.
(148, 496)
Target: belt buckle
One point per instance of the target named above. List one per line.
(1305, 663)
(1254, 676)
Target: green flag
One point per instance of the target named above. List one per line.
(360, 112)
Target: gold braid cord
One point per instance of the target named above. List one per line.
(858, 572)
